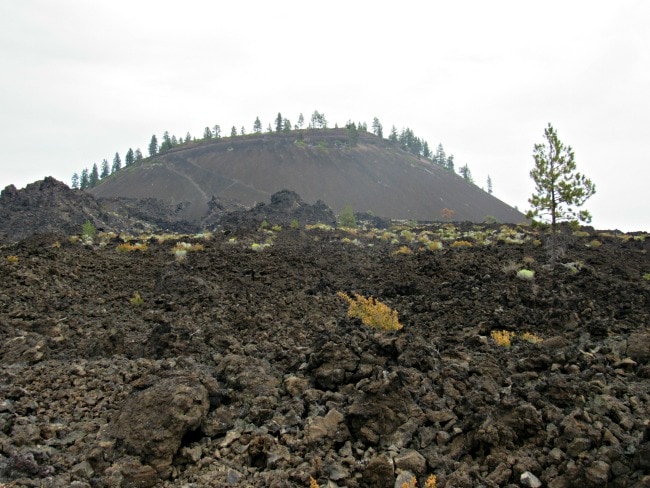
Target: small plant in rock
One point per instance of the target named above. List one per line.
(434, 246)
(502, 337)
(431, 481)
(181, 249)
(595, 244)
(646, 276)
(525, 274)
(136, 299)
(346, 217)
(294, 224)
(447, 214)
(403, 250)
(128, 247)
(12, 259)
(88, 231)
(255, 246)
(313, 483)
(372, 312)
(461, 244)
(530, 337)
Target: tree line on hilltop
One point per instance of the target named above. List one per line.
(405, 140)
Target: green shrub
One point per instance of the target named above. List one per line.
(88, 230)
(346, 217)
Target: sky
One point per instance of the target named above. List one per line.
(84, 79)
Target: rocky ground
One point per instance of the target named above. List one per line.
(238, 366)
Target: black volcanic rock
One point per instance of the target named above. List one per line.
(286, 206)
(45, 207)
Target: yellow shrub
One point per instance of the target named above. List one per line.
(128, 247)
(431, 481)
(403, 250)
(530, 337)
(313, 483)
(461, 244)
(136, 299)
(372, 312)
(12, 259)
(595, 244)
(502, 337)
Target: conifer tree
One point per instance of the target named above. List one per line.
(377, 128)
(106, 169)
(83, 183)
(153, 146)
(129, 158)
(233, 131)
(301, 121)
(257, 126)
(278, 122)
(207, 133)
(138, 154)
(117, 164)
(559, 188)
(489, 185)
(93, 178)
(217, 131)
(75, 181)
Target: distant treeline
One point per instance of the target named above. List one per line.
(405, 140)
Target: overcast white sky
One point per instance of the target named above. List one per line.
(82, 79)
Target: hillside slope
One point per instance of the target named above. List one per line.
(371, 176)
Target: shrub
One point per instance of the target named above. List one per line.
(294, 224)
(646, 276)
(181, 249)
(372, 312)
(595, 244)
(346, 217)
(461, 244)
(403, 250)
(434, 246)
(12, 259)
(530, 337)
(88, 230)
(502, 337)
(136, 299)
(525, 274)
(128, 247)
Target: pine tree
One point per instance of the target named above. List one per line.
(207, 133)
(426, 152)
(440, 157)
(153, 146)
(242, 131)
(166, 143)
(559, 189)
(377, 128)
(188, 138)
(138, 154)
(129, 158)
(301, 121)
(450, 163)
(257, 126)
(392, 137)
(217, 131)
(83, 183)
(117, 164)
(286, 125)
(278, 122)
(489, 185)
(75, 181)
(93, 179)
(466, 173)
(353, 133)
(233, 131)
(106, 169)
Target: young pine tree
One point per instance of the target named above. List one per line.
(559, 188)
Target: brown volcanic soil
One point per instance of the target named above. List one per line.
(371, 176)
(241, 368)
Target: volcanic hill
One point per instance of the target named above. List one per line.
(371, 176)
